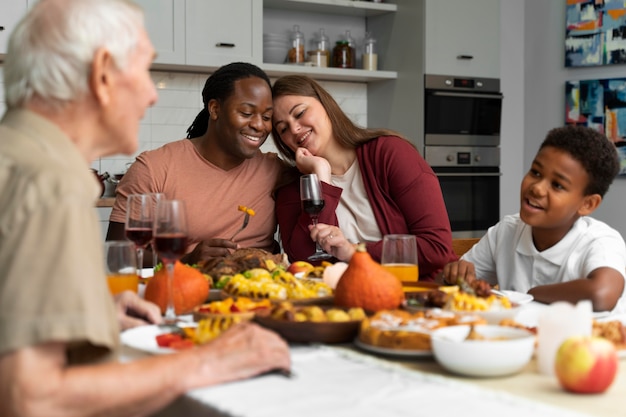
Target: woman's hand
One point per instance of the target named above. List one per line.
(332, 240)
(307, 163)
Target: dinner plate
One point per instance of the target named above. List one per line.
(517, 297)
(401, 353)
(144, 338)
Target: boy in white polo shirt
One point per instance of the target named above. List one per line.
(551, 248)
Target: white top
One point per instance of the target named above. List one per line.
(507, 256)
(354, 212)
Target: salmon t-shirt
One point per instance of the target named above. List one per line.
(211, 195)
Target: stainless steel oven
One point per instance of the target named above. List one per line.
(470, 183)
(462, 111)
(462, 145)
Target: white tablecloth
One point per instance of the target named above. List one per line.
(331, 381)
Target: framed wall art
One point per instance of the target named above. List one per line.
(601, 105)
(595, 32)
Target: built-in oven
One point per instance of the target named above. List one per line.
(462, 145)
(470, 184)
(462, 111)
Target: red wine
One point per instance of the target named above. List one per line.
(170, 247)
(313, 207)
(141, 236)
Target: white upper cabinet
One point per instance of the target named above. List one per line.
(219, 32)
(463, 37)
(165, 23)
(11, 11)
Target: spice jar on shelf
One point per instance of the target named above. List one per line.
(342, 55)
(296, 51)
(319, 54)
(370, 57)
(352, 46)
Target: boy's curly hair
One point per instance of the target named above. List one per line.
(595, 152)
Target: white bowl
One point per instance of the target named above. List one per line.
(275, 55)
(506, 351)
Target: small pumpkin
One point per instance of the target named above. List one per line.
(366, 284)
(190, 286)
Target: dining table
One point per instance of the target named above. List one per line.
(344, 381)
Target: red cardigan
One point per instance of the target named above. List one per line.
(405, 196)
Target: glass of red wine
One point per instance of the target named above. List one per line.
(170, 242)
(139, 224)
(313, 203)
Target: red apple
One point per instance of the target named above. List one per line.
(300, 266)
(586, 364)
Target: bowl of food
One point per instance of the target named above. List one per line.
(483, 350)
(312, 323)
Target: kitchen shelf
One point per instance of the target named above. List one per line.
(339, 7)
(278, 70)
(330, 74)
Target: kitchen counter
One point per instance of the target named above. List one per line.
(105, 202)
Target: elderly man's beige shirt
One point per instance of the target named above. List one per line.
(52, 279)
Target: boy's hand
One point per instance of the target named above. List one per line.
(460, 269)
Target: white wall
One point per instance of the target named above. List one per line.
(542, 86)
(512, 83)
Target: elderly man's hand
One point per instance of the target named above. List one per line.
(133, 311)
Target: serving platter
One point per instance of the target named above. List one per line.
(401, 353)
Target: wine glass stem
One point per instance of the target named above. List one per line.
(318, 248)
(139, 261)
(170, 313)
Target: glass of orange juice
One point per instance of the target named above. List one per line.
(399, 257)
(120, 259)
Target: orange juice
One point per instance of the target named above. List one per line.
(122, 282)
(404, 272)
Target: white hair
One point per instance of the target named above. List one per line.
(51, 50)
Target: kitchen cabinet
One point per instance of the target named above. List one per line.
(463, 37)
(219, 32)
(165, 24)
(11, 11)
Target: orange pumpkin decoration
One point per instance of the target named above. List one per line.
(190, 286)
(366, 284)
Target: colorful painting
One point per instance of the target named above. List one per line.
(595, 32)
(599, 104)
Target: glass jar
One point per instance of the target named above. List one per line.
(370, 57)
(296, 51)
(352, 45)
(320, 46)
(342, 55)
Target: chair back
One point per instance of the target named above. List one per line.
(462, 245)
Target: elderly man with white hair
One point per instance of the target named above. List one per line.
(77, 84)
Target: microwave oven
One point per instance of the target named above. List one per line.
(462, 111)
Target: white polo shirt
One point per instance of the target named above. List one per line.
(507, 256)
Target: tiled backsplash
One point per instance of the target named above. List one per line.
(180, 100)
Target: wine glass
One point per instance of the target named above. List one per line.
(139, 224)
(170, 242)
(155, 198)
(312, 204)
